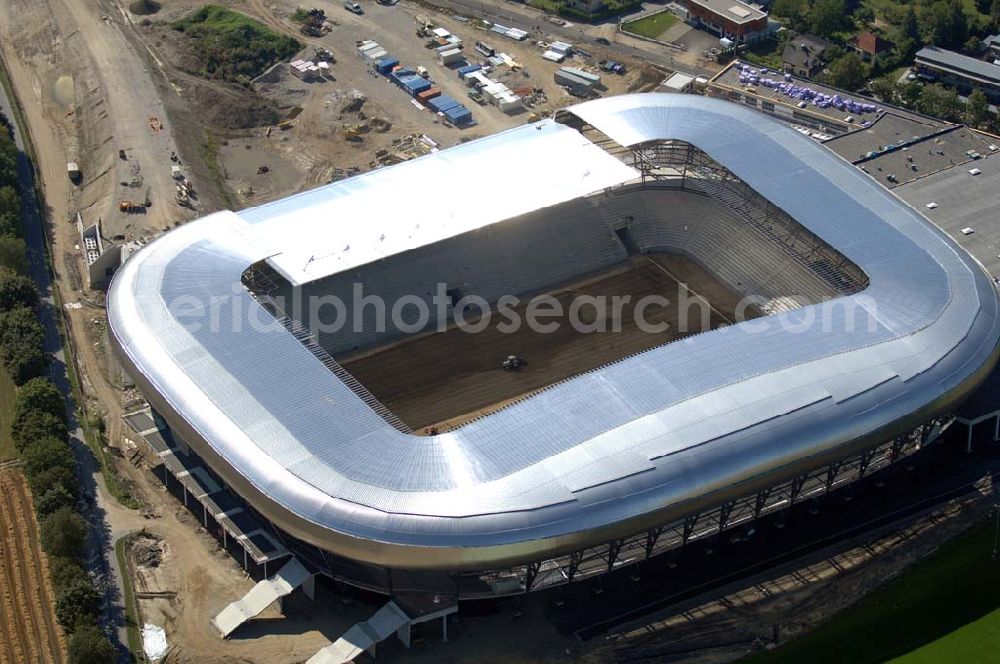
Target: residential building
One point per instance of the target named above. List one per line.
(804, 55)
(870, 46)
(959, 71)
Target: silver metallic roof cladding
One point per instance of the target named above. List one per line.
(604, 454)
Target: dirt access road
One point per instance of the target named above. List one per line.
(28, 628)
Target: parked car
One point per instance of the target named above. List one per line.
(603, 40)
(353, 7)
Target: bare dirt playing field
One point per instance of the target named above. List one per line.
(28, 628)
(445, 379)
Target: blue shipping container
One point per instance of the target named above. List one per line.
(385, 65)
(468, 69)
(415, 84)
(458, 115)
(442, 103)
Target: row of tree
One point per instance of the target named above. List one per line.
(22, 337)
(40, 432)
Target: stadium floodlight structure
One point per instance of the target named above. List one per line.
(608, 458)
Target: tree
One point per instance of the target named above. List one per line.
(977, 108)
(14, 254)
(63, 533)
(940, 102)
(53, 500)
(40, 394)
(34, 425)
(983, 6)
(947, 24)
(828, 17)
(64, 572)
(796, 11)
(847, 73)
(46, 453)
(886, 89)
(88, 645)
(973, 45)
(910, 27)
(22, 345)
(78, 605)
(16, 291)
(53, 478)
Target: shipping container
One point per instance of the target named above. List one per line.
(458, 115)
(579, 73)
(442, 103)
(427, 94)
(449, 57)
(377, 54)
(385, 65)
(416, 84)
(468, 69)
(563, 77)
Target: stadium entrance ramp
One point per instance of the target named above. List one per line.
(261, 596)
(364, 636)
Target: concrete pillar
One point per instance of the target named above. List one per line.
(444, 627)
(996, 428)
(204, 515)
(403, 634)
(309, 587)
(185, 495)
(968, 444)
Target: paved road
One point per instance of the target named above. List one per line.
(525, 18)
(100, 553)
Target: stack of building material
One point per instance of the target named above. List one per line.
(303, 69)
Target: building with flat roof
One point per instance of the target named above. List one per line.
(731, 19)
(959, 71)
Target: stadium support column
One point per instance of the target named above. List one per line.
(309, 588)
(968, 442)
(996, 428)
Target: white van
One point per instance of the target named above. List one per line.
(353, 7)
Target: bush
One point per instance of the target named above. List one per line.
(53, 500)
(78, 604)
(16, 291)
(51, 478)
(34, 425)
(88, 645)
(14, 254)
(22, 345)
(64, 572)
(64, 533)
(40, 394)
(234, 47)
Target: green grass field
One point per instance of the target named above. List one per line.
(944, 609)
(978, 641)
(651, 26)
(7, 390)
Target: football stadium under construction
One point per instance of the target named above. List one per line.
(401, 457)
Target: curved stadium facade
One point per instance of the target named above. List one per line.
(870, 328)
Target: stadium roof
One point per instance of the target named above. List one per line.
(599, 456)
